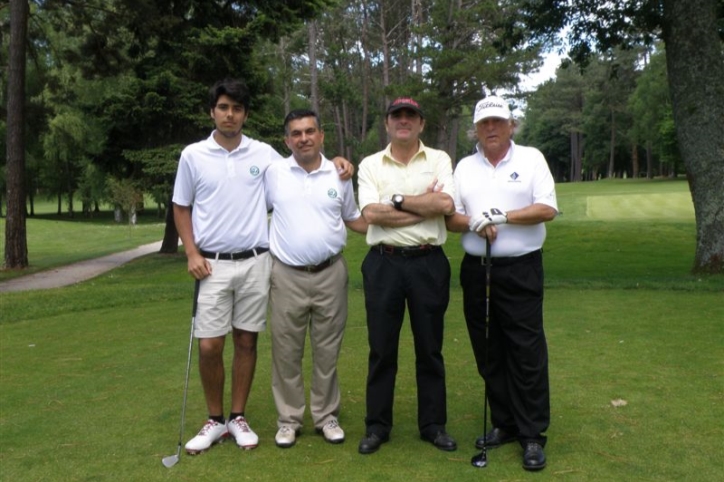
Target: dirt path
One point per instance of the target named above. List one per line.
(75, 273)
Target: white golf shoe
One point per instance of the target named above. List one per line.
(211, 433)
(244, 435)
(332, 432)
(286, 436)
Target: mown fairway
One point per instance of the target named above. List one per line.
(91, 376)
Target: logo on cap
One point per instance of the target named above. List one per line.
(405, 101)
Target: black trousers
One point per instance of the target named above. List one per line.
(515, 368)
(422, 283)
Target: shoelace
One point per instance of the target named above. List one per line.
(332, 424)
(240, 422)
(285, 430)
(210, 424)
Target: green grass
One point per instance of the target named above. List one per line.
(91, 376)
(57, 240)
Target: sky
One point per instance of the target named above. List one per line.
(551, 62)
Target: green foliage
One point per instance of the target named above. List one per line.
(125, 194)
(618, 94)
(650, 104)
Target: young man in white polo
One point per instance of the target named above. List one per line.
(311, 209)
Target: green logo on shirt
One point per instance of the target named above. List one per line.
(332, 193)
(254, 171)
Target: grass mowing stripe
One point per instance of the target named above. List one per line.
(657, 206)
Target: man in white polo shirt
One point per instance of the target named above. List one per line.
(311, 207)
(504, 193)
(226, 240)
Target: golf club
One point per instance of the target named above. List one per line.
(172, 460)
(481, 460)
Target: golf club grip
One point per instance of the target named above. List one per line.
(487, 252)
(197, 287)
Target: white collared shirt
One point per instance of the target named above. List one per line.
(307, 224)
(226, 190)
(520, 179)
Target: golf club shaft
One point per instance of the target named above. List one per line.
(481, 460)
(488, 261)
(197, 284)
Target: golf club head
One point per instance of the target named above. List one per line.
(480, 461)
(170, 461)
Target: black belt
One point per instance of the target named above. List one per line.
(409, 251)
(504, 260)
(316, 268)
(233, 256)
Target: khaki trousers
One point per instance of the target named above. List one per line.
(318, 302)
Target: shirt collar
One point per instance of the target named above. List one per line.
(215, 145)
(326, 164)
(387, 153)
(506, 158)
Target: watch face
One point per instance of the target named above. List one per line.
(397, 198)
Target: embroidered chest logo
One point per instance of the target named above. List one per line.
(332, 193)
(254, 171)
(514, 177)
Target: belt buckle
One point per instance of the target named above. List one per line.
(389, 250)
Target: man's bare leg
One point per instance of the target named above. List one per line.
(243, 368)
(211, 368)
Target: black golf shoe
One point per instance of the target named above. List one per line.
(495, 438)
(533, 456)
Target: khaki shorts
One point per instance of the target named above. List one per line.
(235, 294)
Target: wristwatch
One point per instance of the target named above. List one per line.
(397, 200)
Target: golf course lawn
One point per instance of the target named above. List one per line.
(92, 375)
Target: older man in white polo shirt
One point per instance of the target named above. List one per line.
(312, 207)
(504, 193)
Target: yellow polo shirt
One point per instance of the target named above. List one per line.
(380, 176)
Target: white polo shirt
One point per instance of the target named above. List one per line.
(522, 178)
(226, 190)
(307, 224)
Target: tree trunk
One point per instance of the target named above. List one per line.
(366, 76)
(16, 240)
(287, 81)
(417, 38)
(695, 67)
(634, 161)
(612, 147)
(576, 155)
(314, 87)
(385, 70)
(452, 147)
(649, 161)
(340, 130)
(169, 245)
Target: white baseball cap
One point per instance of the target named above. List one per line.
(491, 106)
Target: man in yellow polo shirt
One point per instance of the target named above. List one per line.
(405, 191)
